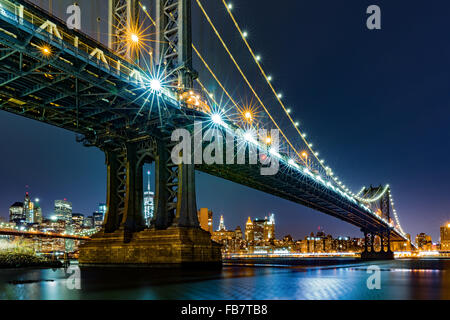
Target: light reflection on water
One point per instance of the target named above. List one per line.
(401, 279)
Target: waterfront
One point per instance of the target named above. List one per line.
(346, 280)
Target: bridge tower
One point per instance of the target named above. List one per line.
(174, 40)
(121, 15)
(384, 235)
(175, 236)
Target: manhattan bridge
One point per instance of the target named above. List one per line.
(127, 96)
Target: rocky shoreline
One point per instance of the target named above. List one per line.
(22, 260)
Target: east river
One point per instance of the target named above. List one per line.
(335, 280)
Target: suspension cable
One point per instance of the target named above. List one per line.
(278, 98)
(245, 78)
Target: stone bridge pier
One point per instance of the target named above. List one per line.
(174, 238)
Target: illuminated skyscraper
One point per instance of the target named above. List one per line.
(445, 237)
(37, 212)
(269, 228)
(258, 229)
(149, 197)
(102, 208)
(249, 230)
(28, 208)
(222, 225)
(63, 210)
(16, 213)
(78, 220)
(423, 242)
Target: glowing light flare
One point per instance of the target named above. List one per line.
(217, 119)
(293, 163)
(275, 153)
(155, 85)
(134, 38)
(249, 136)
(46, 51)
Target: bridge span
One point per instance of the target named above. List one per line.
(63, 77)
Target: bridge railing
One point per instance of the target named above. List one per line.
(105, 59)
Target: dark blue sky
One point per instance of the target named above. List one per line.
(375, 103)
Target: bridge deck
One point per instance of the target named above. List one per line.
(100, 95)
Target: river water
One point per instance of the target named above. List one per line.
(400, 279)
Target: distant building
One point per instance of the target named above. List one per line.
(445, 237)
(149, 206)
(239, 235)
(63, 210)
(16, 213)
(205, 218)
(102, 208)
(258, 229)
(269, 228)
(423, 242)
(88, 222)
(78, 220)
(28, 208)
(222, 225)
(98, 219)
(37, 213)
(224, 237)
(264, 229)
(249, 231)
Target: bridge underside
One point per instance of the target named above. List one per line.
(75, 90)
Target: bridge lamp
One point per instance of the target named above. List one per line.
(230, 6)
(245, 34)
(248, 116)
(304, 155)
(217, 118)
(258, 58)
(134, 38)
(155, 85)
(248, 136)
(268, 140)
(270, 78)
(280, 96)
(46, 51)
(289, 111)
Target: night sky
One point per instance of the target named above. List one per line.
(375, 103)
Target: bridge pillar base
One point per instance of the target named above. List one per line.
(377, 255)
(181, 247)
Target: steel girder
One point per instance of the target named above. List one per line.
(174, 40)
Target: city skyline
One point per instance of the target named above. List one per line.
(219, 222)
(79, 173)
(224, 150)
